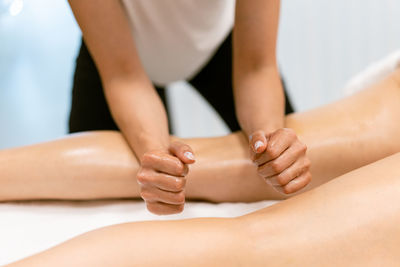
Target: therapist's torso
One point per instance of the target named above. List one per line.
(175, 38)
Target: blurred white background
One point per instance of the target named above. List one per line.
(321, 45)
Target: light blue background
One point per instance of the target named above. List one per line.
(322, 43)
(37, 50)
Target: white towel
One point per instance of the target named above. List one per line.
(31, 227)
(27, 228)
(373, 73)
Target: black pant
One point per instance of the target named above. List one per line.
(89, 109)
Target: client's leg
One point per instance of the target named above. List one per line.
(352, 132)
(350, 221)
(341, 137)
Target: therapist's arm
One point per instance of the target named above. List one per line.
(134, 103)
(259, 95)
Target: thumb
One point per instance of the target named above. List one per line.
(258, 141)
(182, 152)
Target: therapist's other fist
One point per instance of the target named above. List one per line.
(162, 178)
(281, 159)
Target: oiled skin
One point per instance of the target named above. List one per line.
(352, 220)
(341, 136)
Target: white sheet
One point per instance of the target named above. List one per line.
(26, 228)
(374, 72)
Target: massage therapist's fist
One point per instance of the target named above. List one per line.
(162, 178)
(281, 159)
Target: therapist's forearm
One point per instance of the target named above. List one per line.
(139, 113)
(130, 95)
(260, 101)
(258, 91)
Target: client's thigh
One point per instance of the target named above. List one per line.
(353, 131)
(351, 221)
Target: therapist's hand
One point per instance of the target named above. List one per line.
(281, 159)
(162, 178)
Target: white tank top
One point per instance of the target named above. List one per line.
(176, 38)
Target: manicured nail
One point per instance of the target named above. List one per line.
(189, 155)
(258, 144)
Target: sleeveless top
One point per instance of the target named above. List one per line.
(176, 38)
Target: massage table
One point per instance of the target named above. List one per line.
(29, 227)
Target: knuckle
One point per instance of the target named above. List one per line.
(141, 177)
(153, 208)
(272, 153)
(146, 195)
(179, 184)
(180, 198)
(179, 208)
(301, 170)
(308, 177)
(281, 130)
(280, 190)
(276, 166)
(281, 179)
(179, 168)
(307, 164)
(303, 147)
(287, 190)
(149, 158)
(289, 132)
(304, 166)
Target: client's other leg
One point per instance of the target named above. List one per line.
(341, 137)
(91, 165)
(350, 221)
(351, 132)
(100, 165)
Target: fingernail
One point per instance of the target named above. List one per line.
(258, 144)
(189, 155)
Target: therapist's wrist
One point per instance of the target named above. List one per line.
(269, 128)
(141, 145)
(272, 128)
(150, 149)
